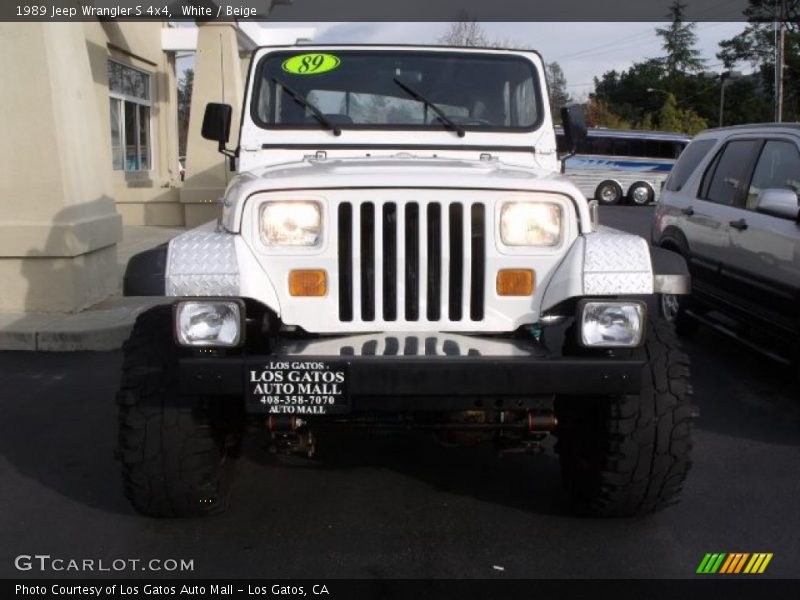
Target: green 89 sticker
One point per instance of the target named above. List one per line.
(310, 64)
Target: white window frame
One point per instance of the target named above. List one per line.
(123, 98)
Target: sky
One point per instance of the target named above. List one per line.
(584, 50)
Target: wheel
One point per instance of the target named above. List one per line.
(176, 450)
(629, 455)
(673, 310)
(608, 192)
(640, 194)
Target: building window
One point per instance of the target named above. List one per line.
(129, 91)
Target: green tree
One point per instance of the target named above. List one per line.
(684, 120)
(598, 114)
(626, 92)
(679, 42)
(557, 88)
(756, 46)
(669, 116)
(647, 123)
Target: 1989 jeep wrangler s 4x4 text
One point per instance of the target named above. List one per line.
(397, 250)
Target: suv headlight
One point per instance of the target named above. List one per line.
(530, 223)
(291, 223)
(206, 323)
(611, 324)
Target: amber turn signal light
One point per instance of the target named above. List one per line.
(308, 282)
(515, 282)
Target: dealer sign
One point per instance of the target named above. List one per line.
(298, 387)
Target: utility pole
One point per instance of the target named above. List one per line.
(725, 79)
(779, 50)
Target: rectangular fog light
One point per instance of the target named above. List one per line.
(611, 324)
(208, 323)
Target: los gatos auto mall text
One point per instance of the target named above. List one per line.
(170, 590)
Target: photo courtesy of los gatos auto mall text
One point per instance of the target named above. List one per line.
(349, 300)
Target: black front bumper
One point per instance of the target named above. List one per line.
(433, 383)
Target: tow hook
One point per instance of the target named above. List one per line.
(290, 436)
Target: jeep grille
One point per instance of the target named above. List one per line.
(412, 261)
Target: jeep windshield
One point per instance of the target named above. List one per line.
(383, 89)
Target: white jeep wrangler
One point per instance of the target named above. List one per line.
(399, 250)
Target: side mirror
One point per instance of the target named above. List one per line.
(779, 202)
(575, 131)
(217, 123)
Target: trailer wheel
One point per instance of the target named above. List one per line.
(629, 455)
(608, 192)
(176, 450)
(641, 194)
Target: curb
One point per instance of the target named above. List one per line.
(102, 328)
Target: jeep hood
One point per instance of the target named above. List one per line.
(396, 172)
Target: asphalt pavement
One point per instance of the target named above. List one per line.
(399, 505)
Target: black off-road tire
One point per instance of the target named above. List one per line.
(176, 450)
(623, 456)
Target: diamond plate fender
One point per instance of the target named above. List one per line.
(602, 263)
(207, 262)
(616, 263)
(202, 262)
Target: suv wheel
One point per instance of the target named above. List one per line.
(176, 450)
(629, 455)
(608, 192)
(673, 310)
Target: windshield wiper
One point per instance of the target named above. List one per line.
(447, 121)
(315, 112)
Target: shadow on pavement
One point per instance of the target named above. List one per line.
(58, 425)
(527, 483)
(742, 393)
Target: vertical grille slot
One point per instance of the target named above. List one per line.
(346, 262)
(478, 261)
(390, 262)
(368, 261)
(412, 261)
(456, 260)
(434, 262)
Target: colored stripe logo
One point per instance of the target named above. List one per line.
(735, 563)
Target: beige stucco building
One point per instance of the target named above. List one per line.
(91, 144)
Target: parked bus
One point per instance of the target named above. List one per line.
(614, 165)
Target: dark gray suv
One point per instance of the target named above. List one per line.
(730, 207)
